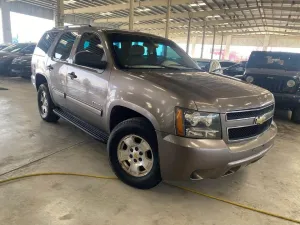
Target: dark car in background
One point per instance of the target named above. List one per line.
(209, 65)
(21, 66)
(226, 63)
(8, 54)
(2, 46)
(278, 72)
(237, 70)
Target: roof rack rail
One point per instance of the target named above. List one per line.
(71, 26)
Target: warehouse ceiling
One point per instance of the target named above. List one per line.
(240, 17)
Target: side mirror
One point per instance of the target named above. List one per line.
(89, 59)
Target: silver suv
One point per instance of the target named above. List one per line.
(162, 117)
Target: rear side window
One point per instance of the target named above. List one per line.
(64, 46)
(45, 43)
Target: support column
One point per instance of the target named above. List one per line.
(131, 14)
(213, 45)
(5, 22)
(168, 17)
(189, 36)
(266, 42)
(59, 14)
(203, 40)
(220, 56)
(227, 48)
(194, 43)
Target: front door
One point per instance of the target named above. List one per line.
(87, 87)
(58, 68)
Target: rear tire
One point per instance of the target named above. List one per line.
(296, 115)
(136, 139)
(46, 104)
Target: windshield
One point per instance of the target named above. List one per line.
(14, 48)
(146, 52)
(274, 60)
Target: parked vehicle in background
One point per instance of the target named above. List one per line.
(237, 70)
(208, 65)
(2, 46)
(21, 66)
(162, 117)
(226, 63)
(8, 54)
(278, 72)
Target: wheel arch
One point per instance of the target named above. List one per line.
(113, 113)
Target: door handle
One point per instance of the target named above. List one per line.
(50, 67)
(72, 75)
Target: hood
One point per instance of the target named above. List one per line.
(211, 93)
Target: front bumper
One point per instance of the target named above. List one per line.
(185, 158)
(24, 71)
(287, 101)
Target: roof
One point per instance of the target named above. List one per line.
(239, 17)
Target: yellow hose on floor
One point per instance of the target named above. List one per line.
(182, 188)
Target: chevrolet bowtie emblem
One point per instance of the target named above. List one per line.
(260, 120)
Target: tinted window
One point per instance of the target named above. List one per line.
(29, 49)
(64, 46)
(91, 42)
(274, 60)
(45, 43)
(203, 65)
(138, 51)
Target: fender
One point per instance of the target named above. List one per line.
(134, 107)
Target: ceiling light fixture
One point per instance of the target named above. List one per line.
(106, 14)
(197, 4)
(215, 16)
(142, 9)
(69, 2)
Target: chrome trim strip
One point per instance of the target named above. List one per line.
(248, 110)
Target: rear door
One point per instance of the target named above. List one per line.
(57, 65)
(87, 87)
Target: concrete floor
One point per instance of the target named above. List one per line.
(26, 141)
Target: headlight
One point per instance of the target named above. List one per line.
(194, 124)
(291, 83)
(249, 79)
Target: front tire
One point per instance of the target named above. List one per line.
(296, 115)
(46, 105)
(133, 153)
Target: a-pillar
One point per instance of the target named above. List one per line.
(266, 42)
(227, 47)
(59, 14)
(5, 22)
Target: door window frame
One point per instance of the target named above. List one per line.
(68, 60)
(76, 46)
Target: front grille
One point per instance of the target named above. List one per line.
(248, 132)
(249, 113)
(275, 84)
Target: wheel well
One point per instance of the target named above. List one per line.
(39, 79)
(120, 113)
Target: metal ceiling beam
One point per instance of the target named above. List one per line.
(184, 31)
(116, 7)
(201, 14)
(186, 15)
(208, 23)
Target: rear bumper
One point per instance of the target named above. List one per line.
(287, 101)
(184, 158)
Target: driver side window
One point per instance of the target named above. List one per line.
(90, 42)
